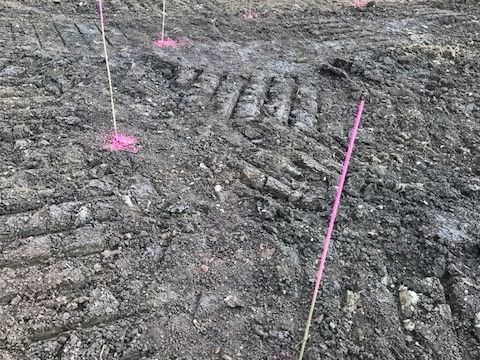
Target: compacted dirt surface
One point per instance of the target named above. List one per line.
(203, 245)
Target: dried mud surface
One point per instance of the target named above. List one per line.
(203, 244)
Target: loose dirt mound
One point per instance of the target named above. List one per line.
(203, 244)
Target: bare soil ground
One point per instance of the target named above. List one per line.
(203, 245)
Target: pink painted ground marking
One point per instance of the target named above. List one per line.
(121, 142)
(171, 43)
(251, 14)
(360, 4)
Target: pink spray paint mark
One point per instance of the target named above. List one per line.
(251, 14)
(171, 43)
(121, 142)
(360, 4)
(338, 196)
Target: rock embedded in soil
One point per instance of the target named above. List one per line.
(282, 190)
(233, 301)
(255, 177)
(102, 303)
(408, 299)
(409, 325)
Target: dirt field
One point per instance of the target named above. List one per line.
(204, 244)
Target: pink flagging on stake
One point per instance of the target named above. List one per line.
(100, 9)
(165, 42)
(116, 141)
(333, 218)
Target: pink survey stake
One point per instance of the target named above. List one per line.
(338, 196)
(116, 141)
(333, 217)
(165, 42)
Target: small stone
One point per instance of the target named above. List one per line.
(110, 253)
(314, 165)
(353, 302)
(226, 357)
(72, 306)
(252, 134)
(128, 200)
(9, 70)
(281, 190)
(319, 319)
(22, 144)
(178, 208)
(188, 228)
(281, 335)
(259, 331)
(102, 303)
(97, 268)
(254, 176)
(82, 299)
(409, 325)
(218, 188)
(62, 300)
(380, 170)
(233, 301)
(83, 215)
(267, 250)
(62, 339)
(408, 298)
(16, 300)
(70, 120)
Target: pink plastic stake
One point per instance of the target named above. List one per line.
(163, 20)
(333, 217)
(102, 28)
(116, 142)
(165, 42)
